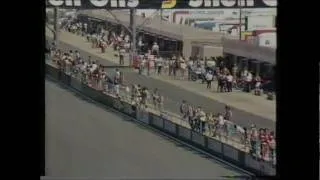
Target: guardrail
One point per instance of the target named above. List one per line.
(213, 146)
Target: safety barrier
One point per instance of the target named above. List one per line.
(163, 123)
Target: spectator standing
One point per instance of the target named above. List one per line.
(184, 109)
(122, 52)
(155, 49)
(227, 113)
(248, 81)
(209, 79)
(229, 82)
(116, 82)
(257, 90)
(155, 97)
(159, 62)
(221, 125)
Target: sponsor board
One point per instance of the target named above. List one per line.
(164, 4)
(266, 168)
(197, 138)
(184, 132)
(76, 84)
(127, 109)
(117, 104)
(251, 162)
(52, 71)
(169, 126)
(65, 78)
(105, 99)
(230, 152)
(157, 121)
(142, 115)
(214, 145)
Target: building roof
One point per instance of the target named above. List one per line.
(251, 51)
(156, 26)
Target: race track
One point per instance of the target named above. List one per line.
(83, 139)
(176, 94)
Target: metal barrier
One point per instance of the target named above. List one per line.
(227, 134)
(164, 123)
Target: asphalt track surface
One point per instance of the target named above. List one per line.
(83, 139)
(176, 94)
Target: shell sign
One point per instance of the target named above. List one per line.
(168, 4)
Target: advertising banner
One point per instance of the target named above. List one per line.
(214, 145)
(128, 110)
(197, 138)
(267, 168)
(90, 92)
(157, 121)
(164, 4)
(230, 152)
(64, 78)
(52, 71)
(251, 162)
(142, 115)
(117, 104)
(105, 99)
(75, 83)
(184, 133)
(170, 126)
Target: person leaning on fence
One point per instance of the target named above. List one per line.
(184, 109)
(101, 77)
(253, 139)
(144, 97)
(155, 97)
(221, 125)
(202, 121)
(196, 119)
(116, 81)
(190, 115)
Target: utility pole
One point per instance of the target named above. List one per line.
(240, 19)
(133, 28)
(55, 26)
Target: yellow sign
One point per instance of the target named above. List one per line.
(168, 4)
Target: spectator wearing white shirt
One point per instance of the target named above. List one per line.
(155, 49)
(159, 62)
(203, 73)
(94, 67)
(116, 82)
(221, 124)
(228, 113)
(248, 80)
(257, 90)
(209, 79)
(85, 26)
(122, 52)
(77, 55)
(229, 82)
(140, 45)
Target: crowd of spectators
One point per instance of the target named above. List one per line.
(261, 142)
